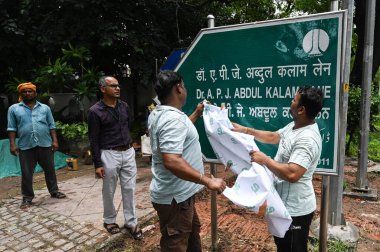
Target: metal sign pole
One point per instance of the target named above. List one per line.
(214, 213)
(336, 182)
(214, 210)
(323, 215)
(361, 177)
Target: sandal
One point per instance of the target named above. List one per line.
(25, 204)
(136, 232)
(112, 228)
(58, 195)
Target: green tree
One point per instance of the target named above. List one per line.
(136, 33)
(54, 76)
(115, 32)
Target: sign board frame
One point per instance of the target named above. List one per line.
(222, 66)
(173, 59)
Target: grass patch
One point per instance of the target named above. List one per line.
(114, 244)
(373, 142)
(332, 246)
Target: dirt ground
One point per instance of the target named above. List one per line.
(242, 230)
(238, 229)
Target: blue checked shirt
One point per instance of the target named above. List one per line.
(171, 131)
(32, 126)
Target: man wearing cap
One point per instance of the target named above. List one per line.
(113, 155)
(33, 123)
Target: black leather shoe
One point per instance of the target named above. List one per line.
(25, 204)
(58, 195)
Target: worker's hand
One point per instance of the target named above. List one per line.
(262, 209)
(99, 172)
(228, 166)
(259, 157)
(14, 149)
(216, 184)
(238, 128)
(54, 146)
(200, 107)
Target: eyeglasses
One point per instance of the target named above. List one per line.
(113, 86)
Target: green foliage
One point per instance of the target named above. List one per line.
(373, 143)
(332, 246)
(74, 54)
(345, 185)
(312, 6)
(11, 86)
(87, 86)
(244, 11)
(352, 145)
(354, 47)
(72, 131)
(70, 73)
(374, 147)
(81, 53)
(136, 33)
(83, 90)
(52, 77)
(353, 117)
(377, 77)
(135, 130)
(119, 32)
(110, 34)
(353, 114)
(337, 246)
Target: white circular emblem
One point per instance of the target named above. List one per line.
(315, 42)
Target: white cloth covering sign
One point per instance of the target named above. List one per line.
(255, 183)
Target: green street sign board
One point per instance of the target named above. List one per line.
(256, 69)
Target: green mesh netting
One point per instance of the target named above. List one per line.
(10, 165)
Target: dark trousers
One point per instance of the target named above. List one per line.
(295, 239)
(44, 156)
(180, 226)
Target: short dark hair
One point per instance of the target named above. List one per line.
(311, 99)
(165, 81)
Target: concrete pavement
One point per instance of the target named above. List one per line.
(71, 224)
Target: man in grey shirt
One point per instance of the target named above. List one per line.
(177, 167)
(299, 150)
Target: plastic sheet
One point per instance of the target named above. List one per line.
(10, 165)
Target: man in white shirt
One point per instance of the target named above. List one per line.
(299, 150)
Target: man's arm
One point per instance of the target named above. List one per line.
(263, 136)
(12, 131)
(12, 142)
(197, 113)
(54, 138)
(51, 124)
(290, 171)
(93, 133)
(180, 168)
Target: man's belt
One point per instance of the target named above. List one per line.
(121, 147)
